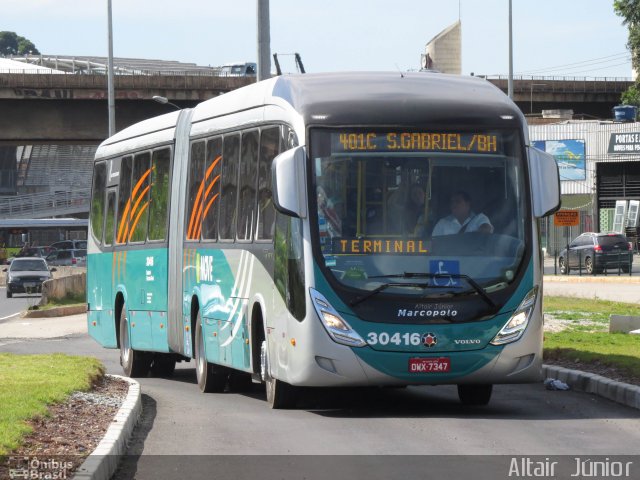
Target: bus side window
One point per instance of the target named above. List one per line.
(124, 200)
(97, 205)
(213, 167)
(110, 221)
(289, 264)
(247, 185)
(269, 148)
(196, 191)
(230, 157)
(139, 215)
(159, 203)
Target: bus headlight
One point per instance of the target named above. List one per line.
(336, 326)
(518, 322)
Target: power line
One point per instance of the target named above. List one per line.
(601, 68)
(546, 69)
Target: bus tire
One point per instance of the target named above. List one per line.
(164, 364)
(476, 395)
(211, 379)
(135, 363)
(280, 395)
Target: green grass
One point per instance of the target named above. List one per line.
(67, 301)
(28, 383)
(591, 343)
(572, 308)
(619, 350)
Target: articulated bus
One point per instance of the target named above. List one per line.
(289, 233)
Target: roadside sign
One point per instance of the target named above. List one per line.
(566, 218)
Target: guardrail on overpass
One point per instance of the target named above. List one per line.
(43, 205)
(562, 84)
(70, 86)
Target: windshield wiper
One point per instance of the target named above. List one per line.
(479, 290)
(384, 286)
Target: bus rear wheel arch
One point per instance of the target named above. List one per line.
(135, 363)
(211, 378)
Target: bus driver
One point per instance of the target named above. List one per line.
(462, 218)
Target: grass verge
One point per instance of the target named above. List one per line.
(28, 383)
(572, 308)
(67, 301)
(592, 343)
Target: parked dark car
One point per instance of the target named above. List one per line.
(69, 244)
(70, 258)
(595, 252)
(26, 275)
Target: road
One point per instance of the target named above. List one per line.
(9, 307)
(371, 431)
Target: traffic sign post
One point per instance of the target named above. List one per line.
(568, 219)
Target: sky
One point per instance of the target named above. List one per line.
(550, 37)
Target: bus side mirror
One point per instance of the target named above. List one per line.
(290, 183)
(545, 182)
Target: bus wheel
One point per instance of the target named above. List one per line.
(134, 362)
(279, 394)
(475, 394)
(211, 379)
(164, 364)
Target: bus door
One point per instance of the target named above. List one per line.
(100, 288)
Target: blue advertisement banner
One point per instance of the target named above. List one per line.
(569, 155)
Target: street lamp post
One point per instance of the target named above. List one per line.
(510, 80)
(110, 88)
(164, 101)
(531, 94)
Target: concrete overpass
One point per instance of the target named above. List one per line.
(591, 97)
(72, 108)
(68, 108)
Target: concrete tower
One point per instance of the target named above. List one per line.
(444, 51)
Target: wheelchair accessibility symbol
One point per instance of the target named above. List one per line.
(445, 269)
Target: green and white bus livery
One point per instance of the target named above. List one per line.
(306, 231)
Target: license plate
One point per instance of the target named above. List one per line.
(429, 365)
(29, 284)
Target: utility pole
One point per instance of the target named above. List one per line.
(510, 81)
(264, 41)
(110, 89)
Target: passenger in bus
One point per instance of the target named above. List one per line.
(406, 210)
(328, 211)
(462, 219)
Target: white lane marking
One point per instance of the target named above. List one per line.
(10, 316)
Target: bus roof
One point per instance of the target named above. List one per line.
(354, 98)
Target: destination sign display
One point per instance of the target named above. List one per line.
(414, 142)
(359, 246)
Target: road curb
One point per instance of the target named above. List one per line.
(103, 461)
(619, 392)
(626, 278)
(56, 311)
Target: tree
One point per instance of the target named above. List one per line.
(629, 10)
(13, 44)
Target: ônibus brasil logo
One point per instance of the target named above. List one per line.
(429, 340)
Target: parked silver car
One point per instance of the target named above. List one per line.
(69, 258)
(69, 244)
(26, 275)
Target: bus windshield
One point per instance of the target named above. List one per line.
(395, 206)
